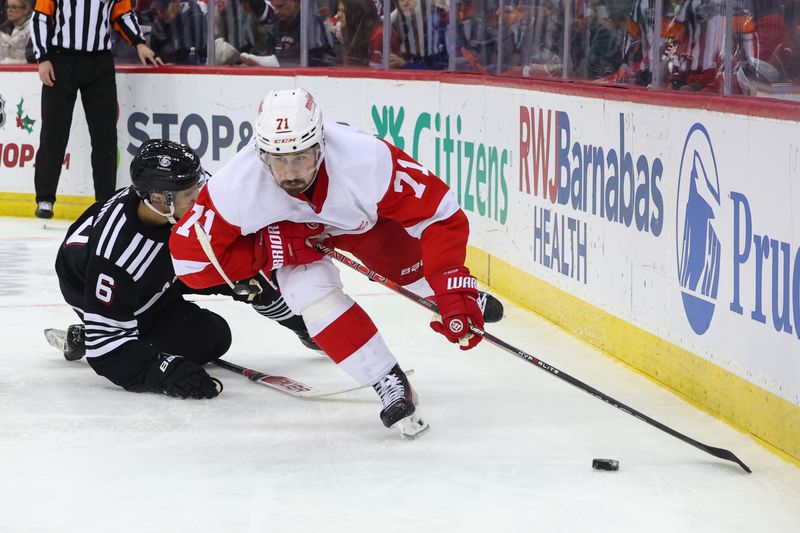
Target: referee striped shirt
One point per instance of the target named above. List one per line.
(704, 23)
(81, 25)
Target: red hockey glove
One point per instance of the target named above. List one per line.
(456, 294)
(286, 243)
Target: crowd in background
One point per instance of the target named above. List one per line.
(15, 32)
(610, 41)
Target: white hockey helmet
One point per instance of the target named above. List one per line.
(288, 121)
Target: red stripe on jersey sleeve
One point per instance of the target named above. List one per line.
(345, 335)
(414, 196)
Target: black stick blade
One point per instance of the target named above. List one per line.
(728, 455)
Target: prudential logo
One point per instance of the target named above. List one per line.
(696, 239)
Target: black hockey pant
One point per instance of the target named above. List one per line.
(184, 328)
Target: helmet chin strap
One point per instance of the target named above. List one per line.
(170, 216)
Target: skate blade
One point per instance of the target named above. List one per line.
(57, 338)
(413, 427)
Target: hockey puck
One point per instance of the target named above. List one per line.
(217, 384)
(605, 464)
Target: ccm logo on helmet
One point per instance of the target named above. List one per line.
(284, 141)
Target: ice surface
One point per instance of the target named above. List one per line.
(510, 446)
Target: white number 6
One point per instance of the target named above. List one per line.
(105, 285)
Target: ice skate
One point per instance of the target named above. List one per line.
(491, 308)
(308, 342)
(400, 404)
(72, 342)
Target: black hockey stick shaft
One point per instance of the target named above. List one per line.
(721, 453)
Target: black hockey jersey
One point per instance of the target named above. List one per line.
(116, 272)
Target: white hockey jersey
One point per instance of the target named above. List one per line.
(361, 179)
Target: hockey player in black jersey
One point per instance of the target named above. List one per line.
(114, 269)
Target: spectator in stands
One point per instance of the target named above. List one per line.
(476, 38)
(362, 35)
(15, 32)
(178, 34)
(515, 24)
(581, 18)
(281, 45)
(421, 27)
(606, 35)
(775, 35)
(124, 54)
(767, 61)
(235, 31)
(542, 43)
(696, 37)
(636, 48)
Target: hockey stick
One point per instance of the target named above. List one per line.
(720, 453)
(287, 385)
(57, 338)
(205, 244)
(240, 289)
(280, 383)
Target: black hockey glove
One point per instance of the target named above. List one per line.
(248, 291)
(175, 376)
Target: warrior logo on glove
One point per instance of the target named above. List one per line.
(456, 295)
(462, 282)
(456, 326)
(285, 244)
(276, 245)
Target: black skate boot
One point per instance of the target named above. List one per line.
(72, 343)
(76, 342)
(307, 341)
(491, 307)
(400, 404)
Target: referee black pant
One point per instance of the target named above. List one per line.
(91, 73)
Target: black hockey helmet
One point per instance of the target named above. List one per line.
(165, 166)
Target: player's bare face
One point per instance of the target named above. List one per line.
(184, 200)
(294, 173)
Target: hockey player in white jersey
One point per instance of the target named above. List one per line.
(302, 177)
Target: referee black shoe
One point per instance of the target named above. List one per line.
(44, 210)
